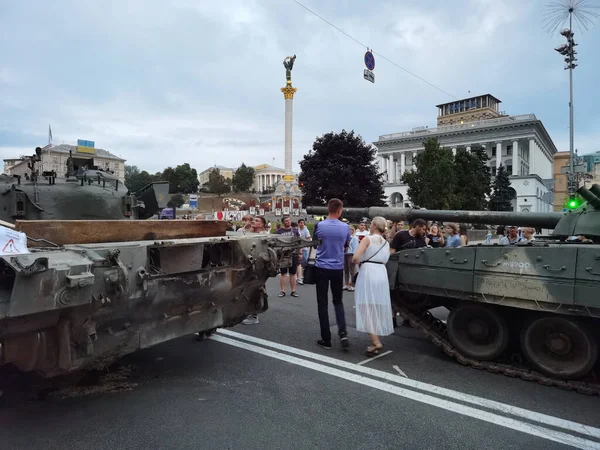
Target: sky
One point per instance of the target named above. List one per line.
(198, 81)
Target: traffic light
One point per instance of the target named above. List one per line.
(573, 202)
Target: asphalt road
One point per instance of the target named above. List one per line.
(268, 386)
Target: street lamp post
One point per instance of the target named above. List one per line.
(568, 51)
(557, 14)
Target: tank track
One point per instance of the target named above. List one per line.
(435, 330)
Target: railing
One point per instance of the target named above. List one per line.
(464, 126)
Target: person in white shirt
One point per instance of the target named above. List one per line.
(304, 234)
(512, 237)
(362, 231)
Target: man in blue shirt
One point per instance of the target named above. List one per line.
(334, 237)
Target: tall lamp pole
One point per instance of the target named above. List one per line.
(569, 52)
(557, 14)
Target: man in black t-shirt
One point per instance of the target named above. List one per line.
(413, 238)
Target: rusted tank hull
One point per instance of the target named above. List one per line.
(87, 305)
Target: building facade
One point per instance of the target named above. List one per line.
(203, 176)
(266, 177)
(520, 143)
(54, 158)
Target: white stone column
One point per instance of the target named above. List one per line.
(515, 158)
(414, 162)
(288, 95)
(402, 163)
(392, 175)
(498, 155)
(531, 156)
(454, 151)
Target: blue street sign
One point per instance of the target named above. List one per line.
(369, 60)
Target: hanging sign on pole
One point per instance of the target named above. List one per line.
(370, 64)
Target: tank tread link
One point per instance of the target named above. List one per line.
(435, 331)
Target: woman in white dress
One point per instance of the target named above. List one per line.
(372, 295)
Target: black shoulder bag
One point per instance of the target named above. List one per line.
(355, 277)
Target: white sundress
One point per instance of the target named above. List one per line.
(372, 295)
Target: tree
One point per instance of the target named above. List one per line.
(182, 179)
(433, 184)
(341, 165)
(176, 201)
(217, 184)
(243, 178)
(136, 179)
(502, 195)
(473, 179)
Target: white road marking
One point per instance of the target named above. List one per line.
(397, 369)
(431, 388)
(374, 358)
(507, 422)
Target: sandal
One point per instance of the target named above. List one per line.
(374, 350)
(281, 294)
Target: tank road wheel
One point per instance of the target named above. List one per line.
(560, 347)
(477, 331)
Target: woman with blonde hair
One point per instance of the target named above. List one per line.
(372, 295)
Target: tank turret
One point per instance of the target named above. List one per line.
(584, 219)
(82, 193)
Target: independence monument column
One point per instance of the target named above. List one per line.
(288, 95)
(287, 196)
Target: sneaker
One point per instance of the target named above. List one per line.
(345, 288)
(344, 340)
(250, 320)
(350, 288)
(281, 294)
(322, 343)
(300, 281)
(294, 294)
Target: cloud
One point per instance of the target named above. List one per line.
(161, 84)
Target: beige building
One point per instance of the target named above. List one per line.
(561, 159)
(469, 110)
(54, 158)
(203, 176)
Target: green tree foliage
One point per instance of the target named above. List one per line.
(502, 195)
(243, 178)
(182, 179)
(136, 179)
(176, 201)
(217, 184)
(433, 184)
(341, 165)
(473, 179)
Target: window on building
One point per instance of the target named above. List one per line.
(493, 151)
(509, 169)
(509, 150)
(493, 171)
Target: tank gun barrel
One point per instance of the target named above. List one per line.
(525, 219)
(590, 195)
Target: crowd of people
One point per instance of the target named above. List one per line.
(353, 259)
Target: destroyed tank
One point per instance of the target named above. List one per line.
(528, 310)
(86, 305)
(94, 286)
(80, 193)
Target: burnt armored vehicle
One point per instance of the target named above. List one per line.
(530, 310)
(81, 192)
(84, 306)
(94, 286)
